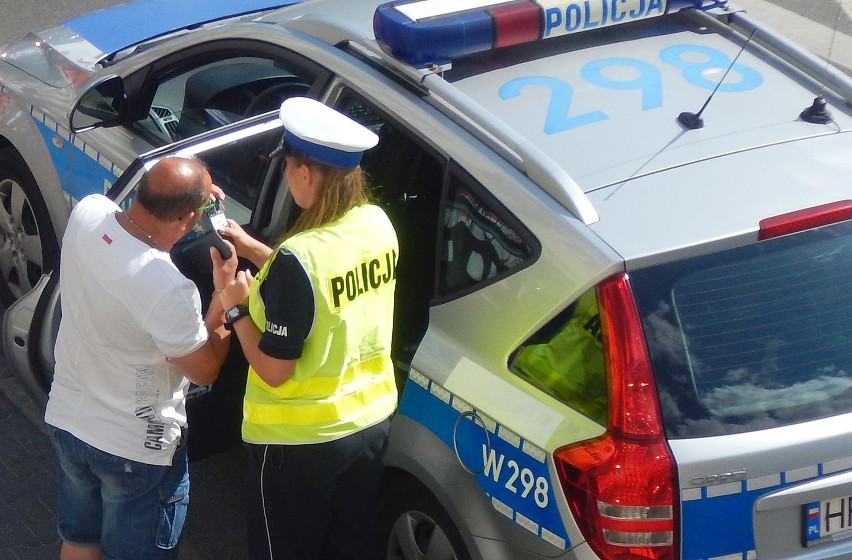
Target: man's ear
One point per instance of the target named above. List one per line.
(190, 218)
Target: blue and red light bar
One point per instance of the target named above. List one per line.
(425, 32)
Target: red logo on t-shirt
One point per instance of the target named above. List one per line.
(107, 239)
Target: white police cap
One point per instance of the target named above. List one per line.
(322, 133)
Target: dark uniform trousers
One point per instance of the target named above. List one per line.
(315, 501)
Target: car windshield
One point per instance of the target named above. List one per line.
(752, 338)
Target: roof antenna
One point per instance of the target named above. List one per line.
(817, 112)
(694, 120)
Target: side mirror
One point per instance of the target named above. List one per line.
(102, 105)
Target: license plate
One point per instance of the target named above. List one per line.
(827, 520)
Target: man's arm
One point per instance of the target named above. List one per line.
(202, 365)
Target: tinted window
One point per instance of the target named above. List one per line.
(481, 239)
(240, 169)
(565, 359)
(755, 337)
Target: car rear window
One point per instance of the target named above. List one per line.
(752, 338)
(565, 359)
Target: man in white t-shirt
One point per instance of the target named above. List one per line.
(131, 339)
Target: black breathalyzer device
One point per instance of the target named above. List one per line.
(215, 218)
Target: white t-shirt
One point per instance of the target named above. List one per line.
(125, 308)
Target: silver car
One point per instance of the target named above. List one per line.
(623, 322)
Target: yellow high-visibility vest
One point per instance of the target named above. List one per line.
(344, 380)
(570, 366)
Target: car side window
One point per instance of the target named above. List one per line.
(193, 100)
(565, 359)
(241, 170)
(481, 239)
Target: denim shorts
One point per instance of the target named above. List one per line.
(133, 511)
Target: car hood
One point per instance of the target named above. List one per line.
(67, 54)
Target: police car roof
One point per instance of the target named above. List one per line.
(604, 103)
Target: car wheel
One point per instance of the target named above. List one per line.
(28, 244)
(414, 526)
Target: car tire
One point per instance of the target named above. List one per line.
(413, 525)
(28, 243)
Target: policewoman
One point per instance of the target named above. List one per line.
(315, 325)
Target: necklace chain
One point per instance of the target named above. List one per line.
(144, 232)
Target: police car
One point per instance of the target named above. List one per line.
(623, 322)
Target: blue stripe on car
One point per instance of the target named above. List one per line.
(718, 520)
(501, 462)
(731, 513)
(81, 170)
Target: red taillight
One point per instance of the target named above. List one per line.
(622, 487)
(807, 218)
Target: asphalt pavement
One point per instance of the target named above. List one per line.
(27, 527)
(214, 527)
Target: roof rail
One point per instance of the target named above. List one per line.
(807, 62)
(529, 159)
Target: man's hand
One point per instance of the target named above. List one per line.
(223, 270)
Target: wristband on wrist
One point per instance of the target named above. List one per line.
(234, 314)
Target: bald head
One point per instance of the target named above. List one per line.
(174, 187)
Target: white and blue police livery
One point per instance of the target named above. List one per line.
(622, 322)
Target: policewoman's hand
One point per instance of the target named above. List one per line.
(247, 246)
(237, 290)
